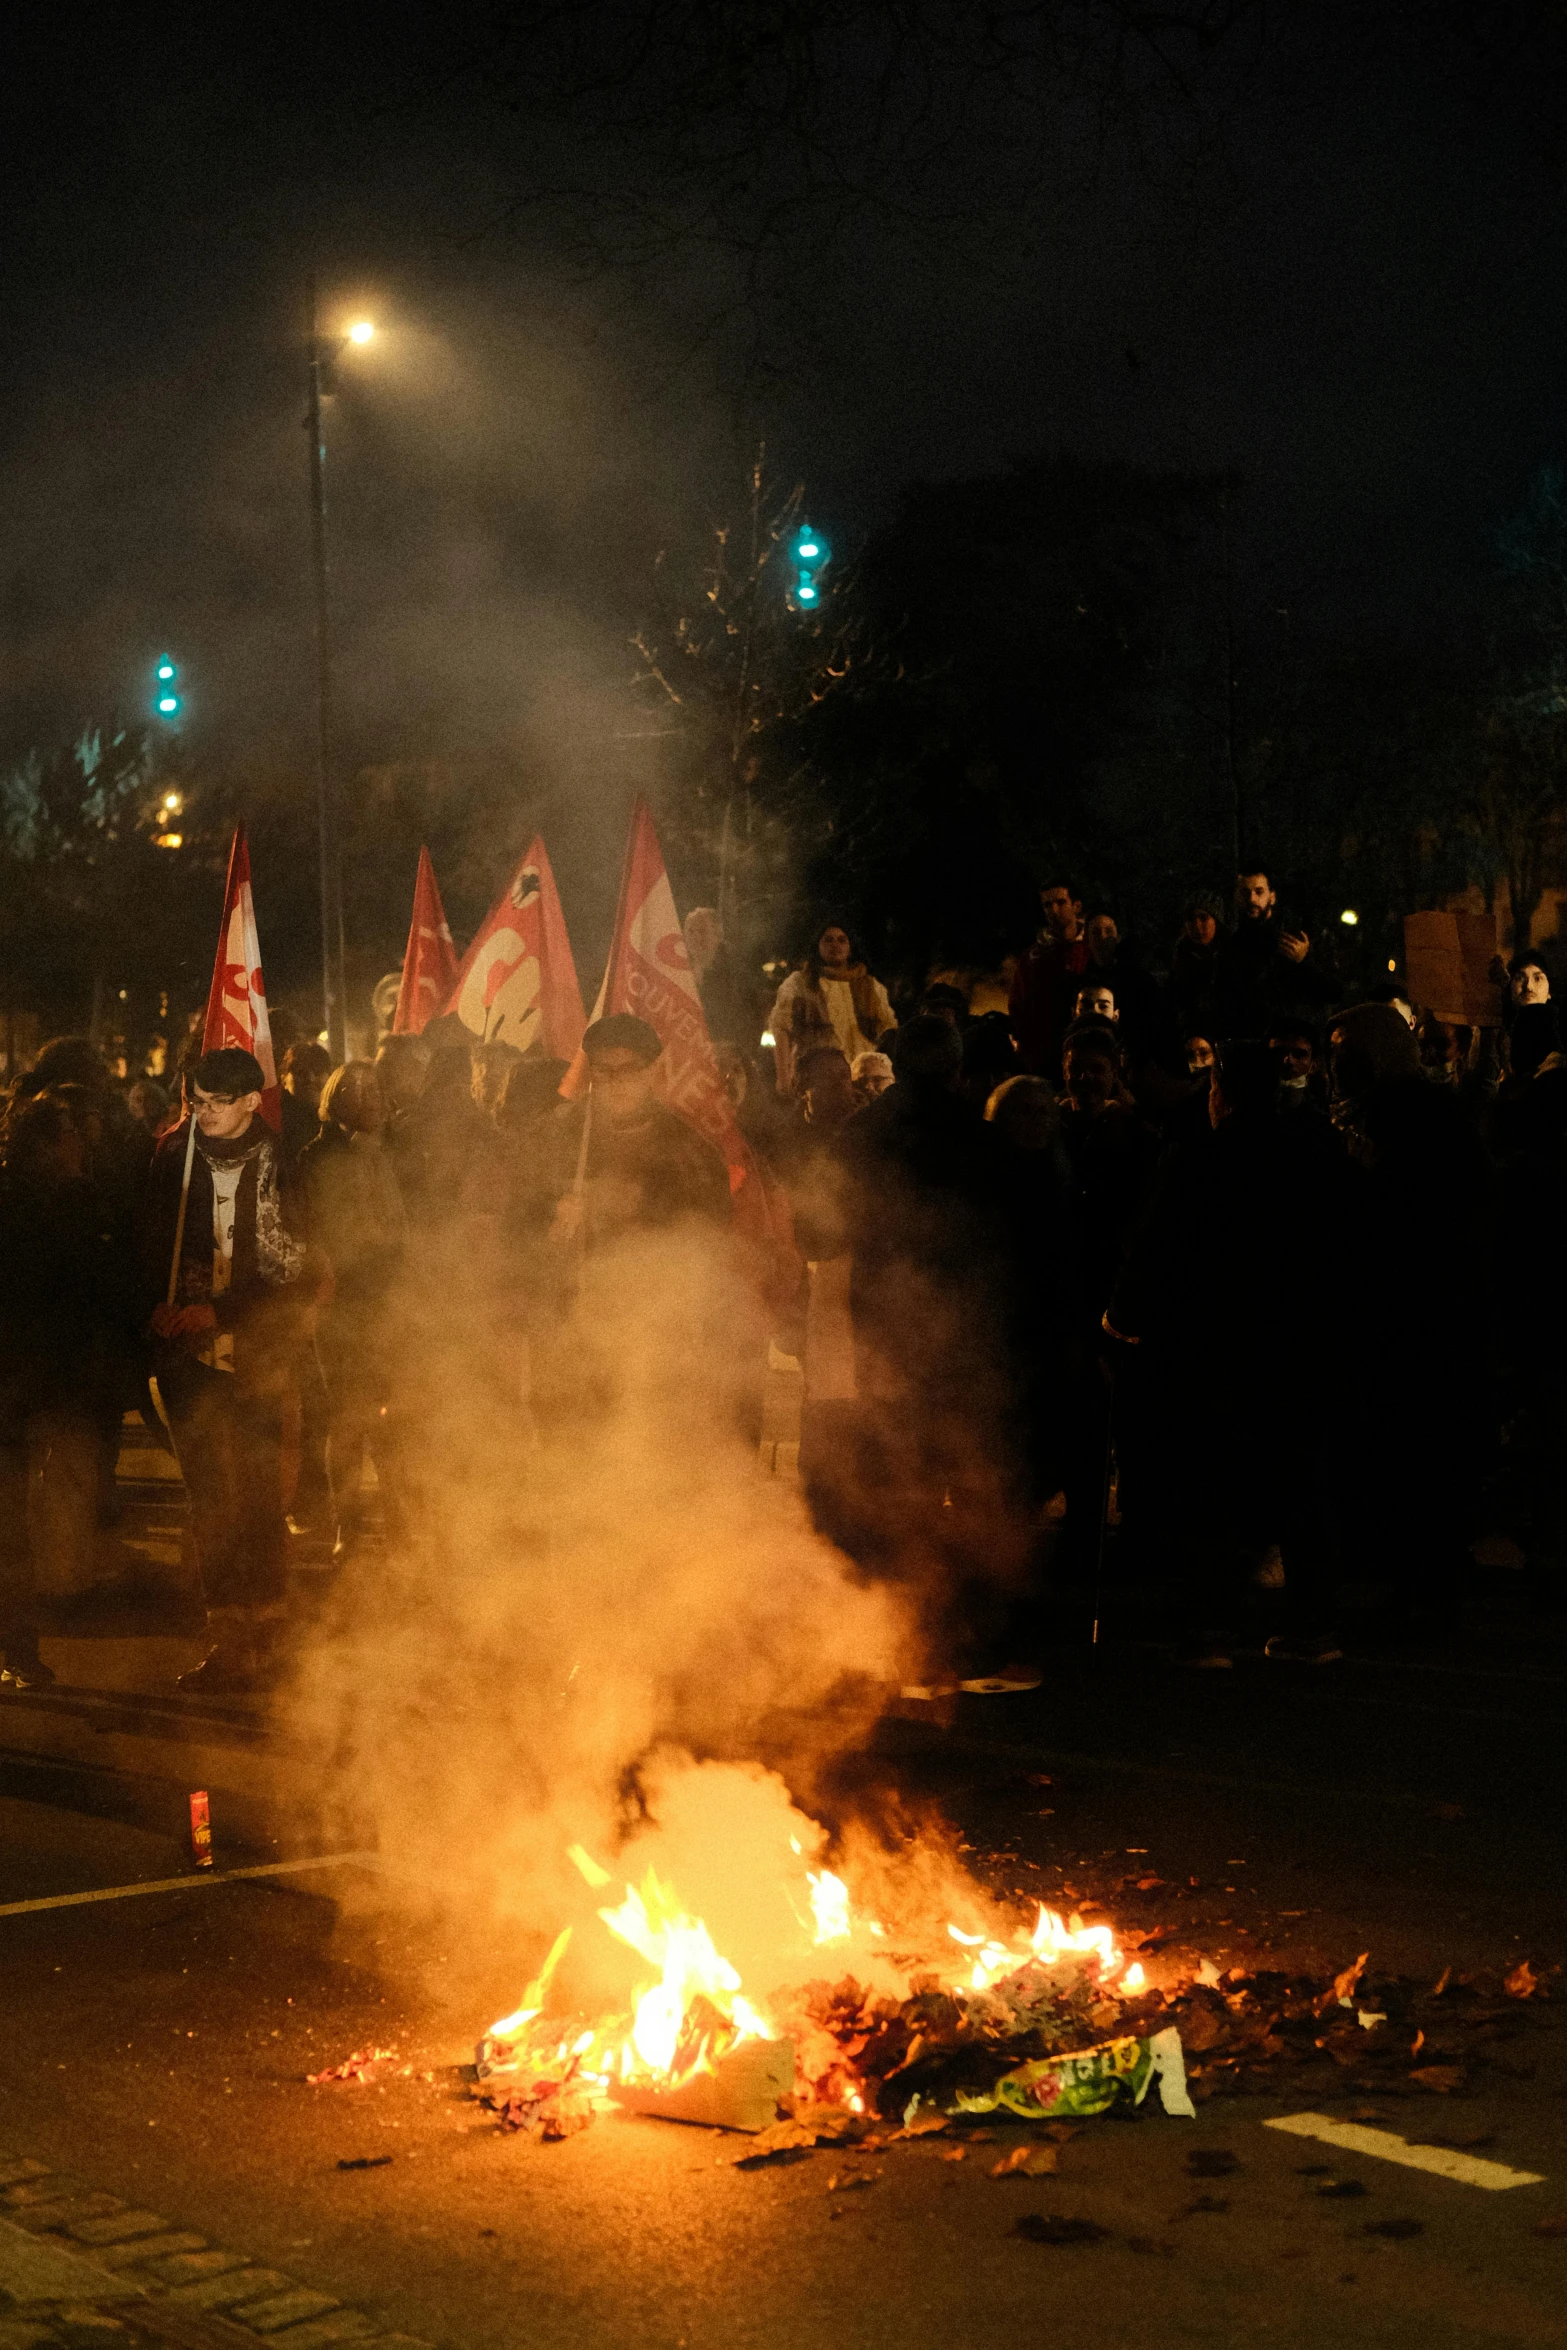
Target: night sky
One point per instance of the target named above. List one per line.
(1330, 258)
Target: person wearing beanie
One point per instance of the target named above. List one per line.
(224, 1350)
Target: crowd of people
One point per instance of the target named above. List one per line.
(1258, 1277)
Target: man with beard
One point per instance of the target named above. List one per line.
(223, 1350)
(1265, 970)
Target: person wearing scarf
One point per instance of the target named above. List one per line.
(831, 999)
(222, 1351)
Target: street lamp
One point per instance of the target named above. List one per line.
(320, 353)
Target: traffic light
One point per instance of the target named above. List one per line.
(166, 698)
(810, 555)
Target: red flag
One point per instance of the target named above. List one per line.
(237, 1002)
(650, 973)
(429, 960)
(517, 984)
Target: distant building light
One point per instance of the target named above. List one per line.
(168, 840)
(769, 1041)
(1392, 966)
(1349, 917)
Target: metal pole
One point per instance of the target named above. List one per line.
(333, 990)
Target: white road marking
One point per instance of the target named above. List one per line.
(1444, 2162)
(194, 1883)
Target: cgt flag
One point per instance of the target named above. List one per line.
(649, 973)
(517, 984)
(237, 1001)
(429, 960)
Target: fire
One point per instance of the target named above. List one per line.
(1052, 1940)
(691, 2020)
(829, 1905)
(690, 1969)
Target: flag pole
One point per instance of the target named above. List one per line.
(179, 1221)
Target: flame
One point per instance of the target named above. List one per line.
(829, 1906)
(533, 1998)
(1052, 1940)
(694, 2010)
(690, 1968)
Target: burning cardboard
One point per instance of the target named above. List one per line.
(740, 2092)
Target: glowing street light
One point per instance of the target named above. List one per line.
(362, 331)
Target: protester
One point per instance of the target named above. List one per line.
(1045, 1306)
(730, 999)
(989, 1056)
(225, 1286)
(1190, 1292)
(634, 1165)
(1425, 1204)
(1047, 981)
(1302, 1082)
(1265, 970)
(148, 1103)
(64, 1316)
(356, 1218)
(831, 999)
(491, 1066)
(439, 1141)
(1237, 1337)
(403, 1062)
(918, 1489)
(1529, 981)
(1193, 987)
(1135, 1002)
(304, 1070)
(1111, 1150)
(1096, 1001)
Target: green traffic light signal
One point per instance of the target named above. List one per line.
(810, 554)
(166, 701)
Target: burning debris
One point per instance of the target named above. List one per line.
(894, 2000)
(1025, 2025)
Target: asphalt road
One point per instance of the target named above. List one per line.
(155, 2049)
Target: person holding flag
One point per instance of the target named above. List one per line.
(638, 1167)
(223, 1269)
